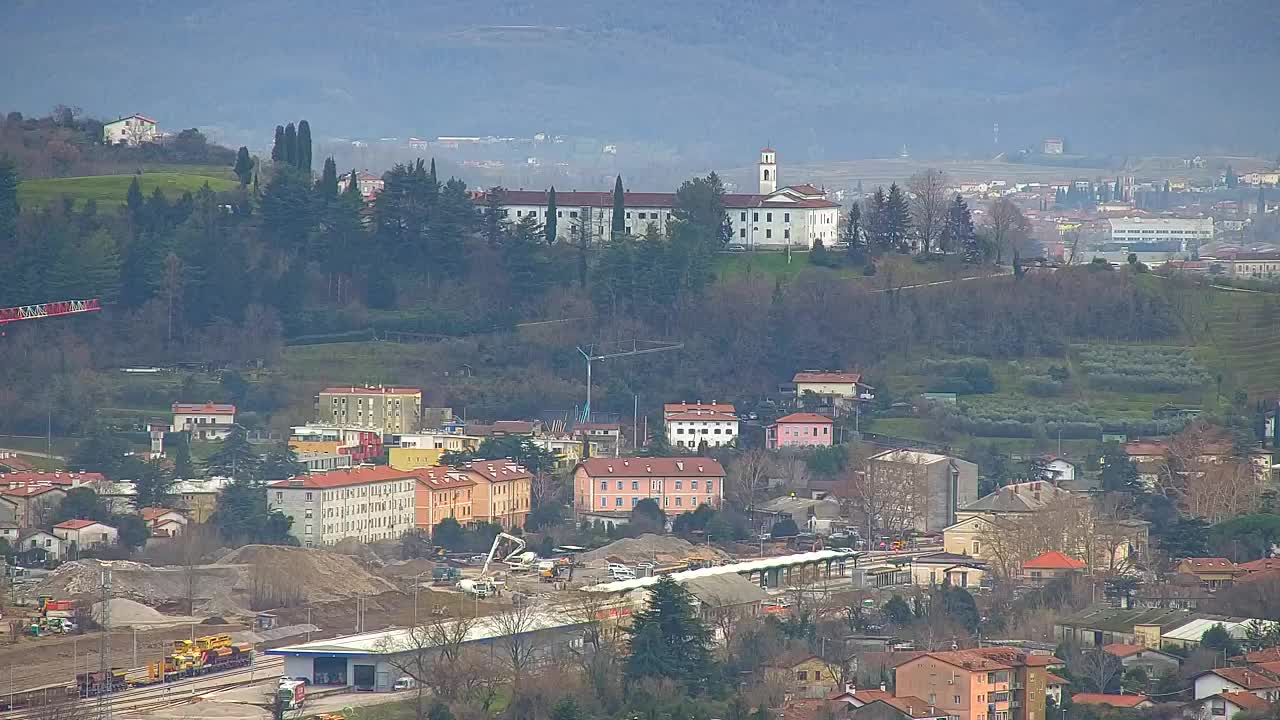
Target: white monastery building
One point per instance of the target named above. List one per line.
(690, 424)
(775, 218)
(133, 130)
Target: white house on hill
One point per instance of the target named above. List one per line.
(133, 130)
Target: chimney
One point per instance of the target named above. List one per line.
(680, 465)
(882, 687)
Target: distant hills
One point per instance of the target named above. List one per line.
(824, 78)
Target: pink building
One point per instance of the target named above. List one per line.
(677, 484)
(800, 430)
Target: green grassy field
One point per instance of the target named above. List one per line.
(109, 190)
(892, 270)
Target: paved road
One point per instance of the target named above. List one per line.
(32, 453)
(1002, 273)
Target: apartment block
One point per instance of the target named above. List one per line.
(366, 504)
(381, 408)
(677, 484)
(995, 683)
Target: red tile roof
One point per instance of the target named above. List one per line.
(152, 513)
(703, 415)
(50, 478)
(912, 707)
(1263, 564)
(345, 478)
(655, 466)
(681, 407)
(1206, 564)
(203, 409)
(1051, 679)
(1053, 560)
(827, 377)
(964, 659)
(356, 390)
(77, 524)
(803, 417)
(497, 470)
(1266, 655)
(1119, 701)
(1272, 667)
(1245, 701)
(439, 477)
(1146, 447)
(29, 490)
(1249, 679)
(1122, 650)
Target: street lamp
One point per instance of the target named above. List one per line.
(417, 585)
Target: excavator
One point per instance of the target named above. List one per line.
(484, 586)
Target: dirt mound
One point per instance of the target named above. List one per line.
(303, 574)
(406, 569)
(151, 586)
(129, 612)
(653, 548)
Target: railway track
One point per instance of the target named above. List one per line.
(153, 697)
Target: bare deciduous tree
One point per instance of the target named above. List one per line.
(1007, 227)
(431, 654)
(928, 190)
(516, 627)
(748, 477)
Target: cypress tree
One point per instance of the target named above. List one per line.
(1118, 193)
(328, 184)
(435, 179)
(277, 148)
(619, 204)
(551, 224)
(353, 187)
(853, 235)
(255, 184)
(304, 147)
(134, 202)
(291, 145)
(244, 166)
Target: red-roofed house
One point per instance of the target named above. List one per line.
(1236, 679)
(503, 491)
(29, 505)
(800, 429)
(207, 421)
(1154, 662)
(676, 484)
(1262, 565)
(365, 503)
(1132, 702)
(77, 535)
(972, 684)
(1226, 705)
(688, 425)
(64, 480)
(1213, 572)
(1049, 565)
(163, 522)
(839, 391)
(1054, 687)
(776, 217)
(442, 492)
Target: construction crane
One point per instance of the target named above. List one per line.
(48, 310)
(626, 348)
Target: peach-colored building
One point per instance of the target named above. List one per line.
(441, 493)
(502, 492)
(800, 429)
(676, 484)
(996, 683)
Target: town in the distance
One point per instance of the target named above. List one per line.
(868, 440)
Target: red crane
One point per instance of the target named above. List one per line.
(47, 310)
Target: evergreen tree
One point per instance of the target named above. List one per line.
(876, 215)
(287, 209)
(352, 190)
(1118, 192)
(244, 166)
(1231, 178)
(281, 463)
(243, 516)
(291, 145)
(178, 448)
(552, 224)
(152, 484)
(958, 233)
(855, 243)
(526, 262)
(304, 147)
(134, 204)
(235, 457)
(277, 148)
(668, 640)
(495, 225)
(328, 184)
(255, 184)
(619, 205)
(1262, 200)
(897, 218)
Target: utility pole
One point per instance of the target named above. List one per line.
(104, 650)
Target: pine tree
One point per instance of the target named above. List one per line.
(244, 166)
(235, 457)
(876, 213)
(352, 190)
(277, 148)
(304, 147)
(959, 235)
(291, 145)
(619, 205)
(552, 223)
(434, 179)
(9, 205)
(853, 237)
(101, 262)
(328, 185)
(668, 640)
(897, 218)
(1118, 192)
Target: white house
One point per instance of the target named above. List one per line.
(367, 183)
(41, 541)
(1225, 706)
(1059, 470)
(83, 534)
(9, 532)
(131, 130)
(690, 424)
(367, 504)
(795, 216)
(210, 421)
(1236, 679)
(837, 390)
(164, 522)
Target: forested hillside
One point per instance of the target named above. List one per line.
(860, 77)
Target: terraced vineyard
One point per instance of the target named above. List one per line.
(1239, 333)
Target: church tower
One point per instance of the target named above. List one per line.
(768, 172)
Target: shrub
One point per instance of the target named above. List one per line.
(1041, 386)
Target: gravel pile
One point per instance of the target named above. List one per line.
(129, 612)
(651, 548)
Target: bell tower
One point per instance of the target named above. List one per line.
(768, 172)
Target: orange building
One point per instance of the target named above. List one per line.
(441, 494)
(502, 492)
(998, 683)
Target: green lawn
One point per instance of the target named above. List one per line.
(893, 271)
(109, 190)
(63, 446)
(355, 362)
